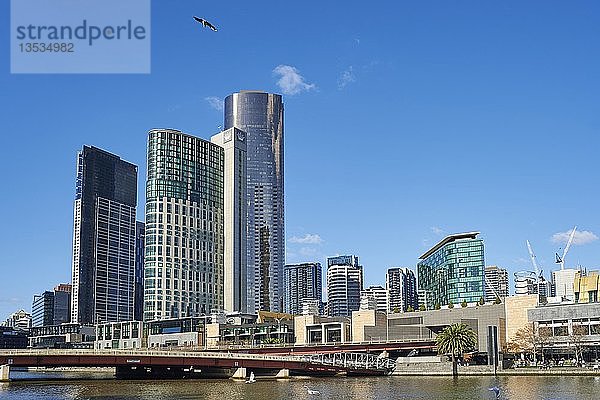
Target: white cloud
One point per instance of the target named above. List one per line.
(290, 81)
(215, 102)
(306, 239)
(437, 230)
(581, 237)
(346, 78)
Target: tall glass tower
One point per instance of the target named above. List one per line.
(453, 270)
(260, 115)
(103, 238)
(184, 240)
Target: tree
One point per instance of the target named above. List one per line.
(422, 307)
(497, 300)
(481, 301)
(456, 340)
(438, 306)
(410, 309)
(524, 341)
(577, 339)
(451, 305)
(463, 304)
(396, 310)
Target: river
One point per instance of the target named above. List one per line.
(384, 388)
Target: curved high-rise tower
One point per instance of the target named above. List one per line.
(260, 115)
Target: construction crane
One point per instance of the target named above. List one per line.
(532, 256)
(561, 259)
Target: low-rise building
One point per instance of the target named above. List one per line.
(12, 338)
(119, 335)
(176, 332)
(62, 336)
(369, 325)
(249, 334)
(314, 329)
(567, 328)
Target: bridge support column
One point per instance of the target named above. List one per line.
(283, 373)
(4, 373)
(239, 373)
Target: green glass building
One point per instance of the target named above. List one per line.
(184, 256)
(453, 271)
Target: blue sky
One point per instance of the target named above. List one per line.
(413, 120)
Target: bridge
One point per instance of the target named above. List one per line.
(142, 364)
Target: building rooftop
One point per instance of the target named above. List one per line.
(449, 239)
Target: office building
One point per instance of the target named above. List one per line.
(452, 271)
(260, 115)
(401, 285)
(42, 309)
(184, 243)
(301, 282)
(138, 289)
(496, 283)
(344, 284)
(103, 238)
(235, 280)
(374, 298)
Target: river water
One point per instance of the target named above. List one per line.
(393, 387)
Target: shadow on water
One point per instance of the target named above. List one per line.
(384, 388)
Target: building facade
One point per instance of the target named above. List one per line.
(184, 243)
(401, 284)
(119, 335)
(344, 284)
(235, 280)
(453, 270)
(260, 115)
(301, 282)
(42, 309)
(496, 283)
(103, 238)
(138, 302)
(374, 298)
(19, 319)
(563, 281)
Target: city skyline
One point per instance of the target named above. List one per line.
(505, 100)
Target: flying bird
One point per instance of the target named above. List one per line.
(496, 391)
(205, 23)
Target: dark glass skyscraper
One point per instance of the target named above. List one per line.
(301, 282)
(260, 115)
(103, 238)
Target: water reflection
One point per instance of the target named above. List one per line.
(413, 388)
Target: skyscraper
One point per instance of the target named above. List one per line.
(184, 226)
(496, 283)
(103, 238)
(138, 302)
(344, 284)
(453, 270)
(401, 285)
(302, 283)
(235, 279)
(260, 115)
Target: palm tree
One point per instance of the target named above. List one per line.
(455, 340)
